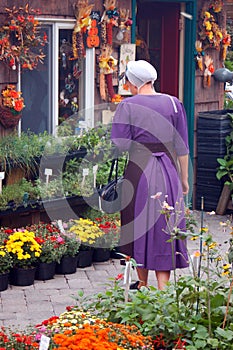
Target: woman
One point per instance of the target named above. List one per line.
(152, 127)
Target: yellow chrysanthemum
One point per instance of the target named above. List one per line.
(207, 14)
(208, 25)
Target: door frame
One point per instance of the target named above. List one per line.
(189, 62)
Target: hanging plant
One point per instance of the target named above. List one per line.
(11, 106)
(20, 39)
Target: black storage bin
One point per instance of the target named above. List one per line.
(212, 129)
(211, 196)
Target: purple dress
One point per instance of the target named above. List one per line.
(153, 129)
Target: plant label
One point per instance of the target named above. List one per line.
(85, 172)
(44, 342)
(48, 171)
(61, 228)
(95, 168)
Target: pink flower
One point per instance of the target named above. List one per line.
(157, 195)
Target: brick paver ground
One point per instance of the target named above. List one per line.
(21, 306)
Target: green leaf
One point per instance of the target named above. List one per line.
(221, 161)
(225, 333)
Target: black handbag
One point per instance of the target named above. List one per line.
(110, 194)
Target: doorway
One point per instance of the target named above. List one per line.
(157, 41)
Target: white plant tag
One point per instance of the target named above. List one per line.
(95, 168)
(2, 176)
(85, 173)
(60, 226)
(127, 273)
(44, 342)
(48, 171)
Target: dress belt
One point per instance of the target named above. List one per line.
(146, 149)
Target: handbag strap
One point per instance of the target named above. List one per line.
(114, 163)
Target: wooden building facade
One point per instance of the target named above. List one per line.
(79, 76)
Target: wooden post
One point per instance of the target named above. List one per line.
(223, 201)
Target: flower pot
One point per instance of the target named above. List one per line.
(101, 254)
(4, 280)
(67, 265)
(45, 271)
(115, 253)
(22, 277)
(85, 258)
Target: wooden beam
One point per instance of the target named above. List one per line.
(224, 200)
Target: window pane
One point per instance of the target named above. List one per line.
(70, 73)
(36, 115)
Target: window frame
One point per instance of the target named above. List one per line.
(87, 83)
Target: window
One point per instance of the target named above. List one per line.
(36, 89)
(56, 90)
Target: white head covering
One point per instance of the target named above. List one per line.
(140, 72)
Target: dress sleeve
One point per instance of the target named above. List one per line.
(181, 132)
(121, 134)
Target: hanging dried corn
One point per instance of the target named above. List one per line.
(82, 13)
(110, 18)
(107, 65)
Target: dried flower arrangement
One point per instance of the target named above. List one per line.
(20, 39)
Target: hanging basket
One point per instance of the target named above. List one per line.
(8, 119)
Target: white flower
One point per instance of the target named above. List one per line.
(165, 205)
(157, 195)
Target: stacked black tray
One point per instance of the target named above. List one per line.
(212, 129)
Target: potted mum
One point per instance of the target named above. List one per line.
(11, 106)
(52, 249)
(88, 232)
(109, 240)
(82, 330)
(25, 252)
(68, 263)
(6, 263)
(107, 244)
(69, 260)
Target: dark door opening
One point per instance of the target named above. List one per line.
(158, 30)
